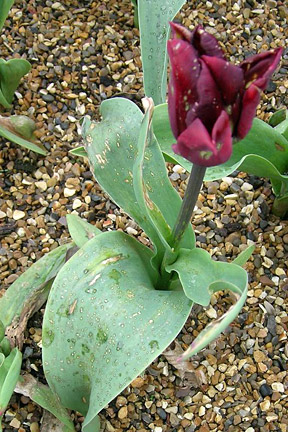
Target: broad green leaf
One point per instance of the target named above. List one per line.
(262, 167)
(7, 132)
(9, 374)
(11, 72)
(200, 277)
(79, 151)
(154, 17)
(263, 152)
(4, 11)
(43, 396)
(111, 146)
(108, 325)
(31, 288)
(212, 330)
(244, 256)
(80, 230)
(197, 272)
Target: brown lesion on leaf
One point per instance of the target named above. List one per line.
(112, 260)
(279, 147)
(190, 373)
(95, 279)
(89, 139)
(101, 159)
(90, 235)
(72, 307)
(28, 133)
(70, 252)
(15, 332)
(148, 201)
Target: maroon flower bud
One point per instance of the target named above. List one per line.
(210, 100)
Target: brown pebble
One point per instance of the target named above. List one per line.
(138, 382)
(259, 356)
(34, 427)
(122, 413)
(15, 423)
(121, 401)
(237, 420)
(266, 281)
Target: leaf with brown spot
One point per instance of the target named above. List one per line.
(15, 332)
(189, 374)
(41, 394)
(20, 136)
(28, 293)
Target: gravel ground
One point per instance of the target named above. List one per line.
(82, 53)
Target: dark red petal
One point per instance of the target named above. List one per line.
(205, 43)
(180, 32)
(196, 145)
(251, 99)
(193, 140)
(209, 104)
(182, 93)
(259, 68)
(222, 136)
(228, 77)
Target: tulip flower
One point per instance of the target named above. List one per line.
(210, 100)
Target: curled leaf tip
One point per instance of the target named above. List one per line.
(148, 106)
(23, 126)
(147, 103)
(20, 125)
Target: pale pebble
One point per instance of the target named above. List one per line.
(76, 203)
(41, 185)
(69, 192)
(18, 214)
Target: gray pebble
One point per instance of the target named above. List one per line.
(146, 418)
(234, 188)
(162, 414)
(265, 390)
(201, 238)
(174, 176)
(271, 325)
(48, 97)
(257, 262)
(212, 224)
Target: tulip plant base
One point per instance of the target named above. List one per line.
(101, 310)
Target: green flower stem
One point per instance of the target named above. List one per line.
(190, 197)
(188, 204)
